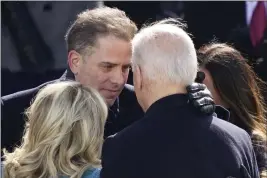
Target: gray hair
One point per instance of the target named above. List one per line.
(165, 52)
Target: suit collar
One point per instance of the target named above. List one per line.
(67, 75)
(175, 100)
(222, 113)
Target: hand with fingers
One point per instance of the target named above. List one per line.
(201, 98)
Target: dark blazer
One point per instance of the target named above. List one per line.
(124, 112)
(174, 140)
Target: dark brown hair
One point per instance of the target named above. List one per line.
(237, 85)
(91, 24)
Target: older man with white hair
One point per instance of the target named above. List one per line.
(173, 139)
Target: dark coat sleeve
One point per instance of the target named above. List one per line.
(260, 149)
(251, 159)
(12, 115)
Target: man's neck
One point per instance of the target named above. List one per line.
(157, 93)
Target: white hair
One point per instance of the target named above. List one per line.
(165, 52)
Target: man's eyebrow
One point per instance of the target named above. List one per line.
(127, 65)
(108, 63)
(114, 64)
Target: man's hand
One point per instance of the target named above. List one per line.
(201, 98)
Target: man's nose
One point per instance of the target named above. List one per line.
(118, 77)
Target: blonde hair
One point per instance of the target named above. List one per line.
(63, 134)
(263, 174)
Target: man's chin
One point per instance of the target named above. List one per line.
(110, 101)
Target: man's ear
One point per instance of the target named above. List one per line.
(74, 61)
(137, 77)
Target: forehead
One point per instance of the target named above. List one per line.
(113, 50)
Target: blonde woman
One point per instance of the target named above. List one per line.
(63, 135)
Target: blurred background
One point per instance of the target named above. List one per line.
(33, 49)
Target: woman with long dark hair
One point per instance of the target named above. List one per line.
(236, 87)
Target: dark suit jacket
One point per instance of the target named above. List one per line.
(174, 140)
(124, 112)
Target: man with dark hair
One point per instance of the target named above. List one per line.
(99, 55)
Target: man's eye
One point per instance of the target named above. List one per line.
(107, 67)
(126, 68)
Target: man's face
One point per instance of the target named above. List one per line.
(107, 68)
